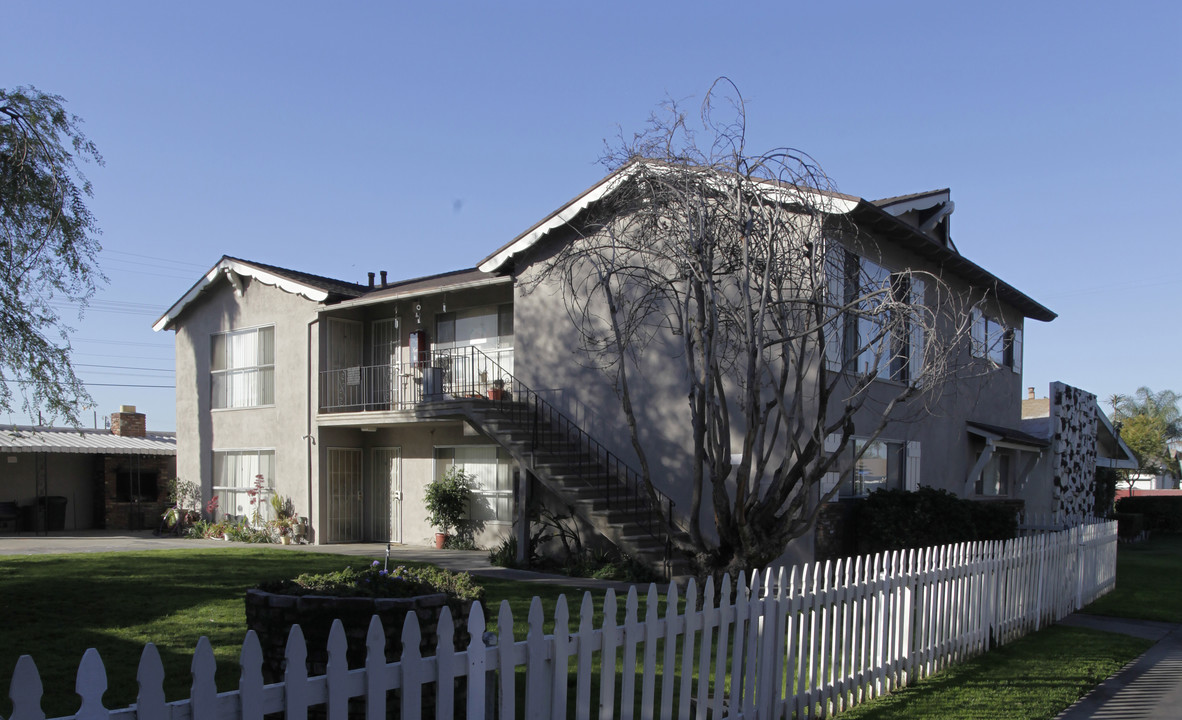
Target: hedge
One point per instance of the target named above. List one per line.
(899, 519)
(1162, 513)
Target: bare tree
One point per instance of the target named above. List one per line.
(781, 315)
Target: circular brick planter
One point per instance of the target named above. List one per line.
(271, 616)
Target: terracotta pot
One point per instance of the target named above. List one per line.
(440, 540)
(496, 394)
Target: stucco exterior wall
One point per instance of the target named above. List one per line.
(417, 443)
(281, 427)
(548, 345)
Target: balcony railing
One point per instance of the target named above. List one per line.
(402, 385)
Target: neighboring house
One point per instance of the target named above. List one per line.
(81, 479)
(1056, 476)
(349, 399)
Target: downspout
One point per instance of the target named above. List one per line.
(314, 390)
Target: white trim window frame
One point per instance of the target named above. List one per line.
(882, 467)
(899, 354)
(993, 341)
(492, 489)
(234, 474)
(242, 368)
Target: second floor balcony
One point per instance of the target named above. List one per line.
(401, 384)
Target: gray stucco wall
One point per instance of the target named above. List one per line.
(281, 427)
(549, 358)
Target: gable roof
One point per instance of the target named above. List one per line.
(314, 287)
(879, 216)
(28, 439)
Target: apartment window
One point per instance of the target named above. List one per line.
(242, 367)
(488, 328)
(492, 486)
(870, 337)
(236, 475)
(883, 466)
(993, 341)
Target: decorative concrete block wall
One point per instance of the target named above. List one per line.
(1074, 425)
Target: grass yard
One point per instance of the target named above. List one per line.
(1148, 582)
(54, 607)
(1039, 675)
(1035, 677)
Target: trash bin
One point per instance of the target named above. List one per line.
(55, 512)
(432, 382)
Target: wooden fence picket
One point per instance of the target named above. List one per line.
(648, 676)
(632, 635)
(607, 679)
(585, 649)
(150, 677)
(669, 630)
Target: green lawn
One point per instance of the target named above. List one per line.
(54, 607)
(1039, 675)
(1035, 677)
(1148, 582)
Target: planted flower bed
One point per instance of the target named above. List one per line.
(313, 601)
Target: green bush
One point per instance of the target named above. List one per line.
(1162, 513)
(899, 519)
(1129, 525)
(375, 581)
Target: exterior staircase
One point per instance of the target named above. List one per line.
(597, 485)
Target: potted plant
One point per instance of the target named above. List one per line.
(447, 502)
(497, 391)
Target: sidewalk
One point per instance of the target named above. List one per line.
(1148, 687)
(471, 561)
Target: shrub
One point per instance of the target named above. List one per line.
(375, 581)
(898, 519)
(1129, 526)
(505, 554)
(1162, 513)
(446, 501)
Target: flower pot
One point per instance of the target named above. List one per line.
(285, 539)
(496, 394)
(440, 540)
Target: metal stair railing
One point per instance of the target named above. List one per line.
(470, 373)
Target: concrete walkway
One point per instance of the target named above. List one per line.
(1148, 687)
(472, 561)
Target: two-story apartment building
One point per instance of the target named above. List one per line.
(351, 398)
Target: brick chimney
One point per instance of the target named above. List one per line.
(128, 423)
(1030, 393)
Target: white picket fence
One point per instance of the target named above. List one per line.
(807, 642)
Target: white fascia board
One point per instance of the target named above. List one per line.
(826, 202)
(562, 217)
(267, 278)
(919, 203)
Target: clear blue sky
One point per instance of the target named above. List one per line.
(341, 138)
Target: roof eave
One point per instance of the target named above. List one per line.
(875, 218)
(227, 265)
